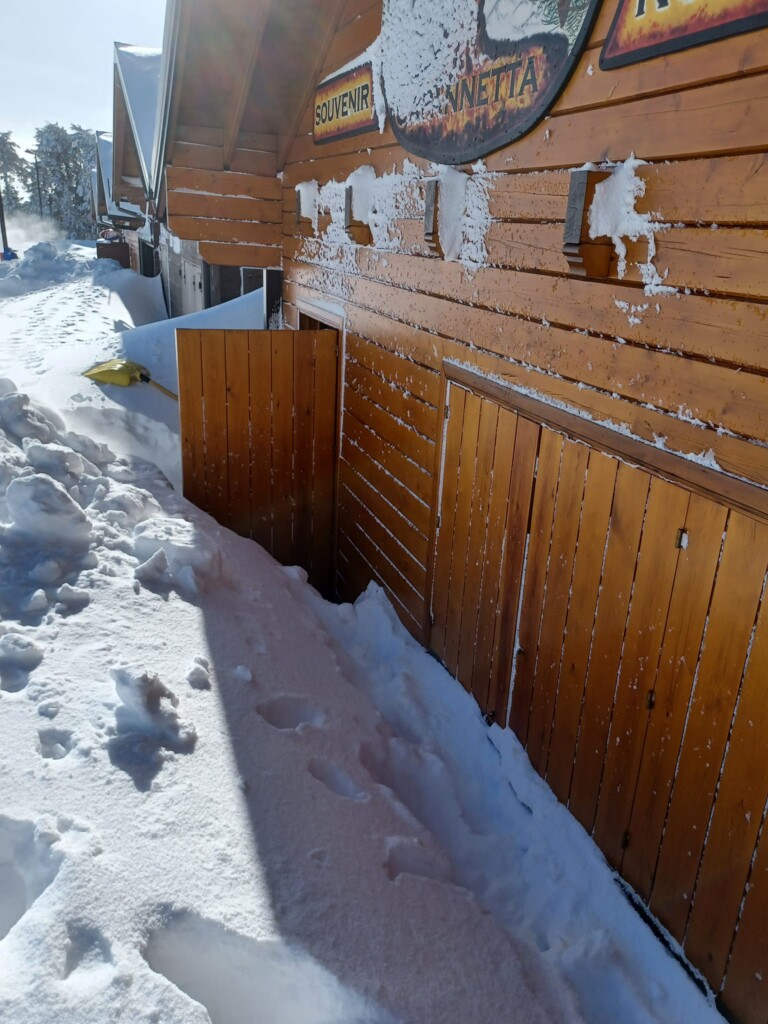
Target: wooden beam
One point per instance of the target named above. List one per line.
(736, 493)
(242, 77)
(332, 11)
(228, 255)
(177, 86)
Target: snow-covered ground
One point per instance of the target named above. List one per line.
(223, 799)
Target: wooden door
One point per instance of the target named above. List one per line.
(258, 431)
(486, 481)
(628, 614)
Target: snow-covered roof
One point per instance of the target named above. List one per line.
(139, 70)
(104, 150)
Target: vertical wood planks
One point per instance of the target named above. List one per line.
(736, 821)
(521, 491)
(651, 595)
(460, 545)
(478, 533)
(190, 370)
(216, 444)
(302, 446)
(238, 431)
(260, 369)
(737, 592)
(489, 604)
(258, 426)
(323, 459)
(624, 533)
(593, 530)
(744, 989)
(452, 452)
(570, 492)
(691, 594)
(282, 445)
(547, 474)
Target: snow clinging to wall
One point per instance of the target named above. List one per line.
(613, 215)
(383, 202)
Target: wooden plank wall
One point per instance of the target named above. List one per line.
(689, 371)
(234, 215)
(636, 694)
(700, 116)
(258, 433)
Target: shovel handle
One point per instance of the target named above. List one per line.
(148, 380)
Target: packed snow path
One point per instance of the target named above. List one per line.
(226, 800)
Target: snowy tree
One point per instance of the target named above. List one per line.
(14, 173)
(66, 159)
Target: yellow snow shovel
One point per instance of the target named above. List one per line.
(123, 372)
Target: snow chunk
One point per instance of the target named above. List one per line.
(21, 421)
(613, 215)
(94, 451)
(149, 707)
(43, 512)
(183, 545)
(72, 598)
(199, 675)
(58, 461)
(18, 651)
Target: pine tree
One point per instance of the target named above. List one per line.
(14, 173)
(66, 159)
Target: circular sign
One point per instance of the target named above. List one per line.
(464, 77)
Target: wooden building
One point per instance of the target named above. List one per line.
(547, 384)
(135, 98)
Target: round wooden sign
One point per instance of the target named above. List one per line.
(465, 77)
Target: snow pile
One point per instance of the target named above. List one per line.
(613, 215)
(43, 264)
(526, 861)
(382, 201)
(28, 229)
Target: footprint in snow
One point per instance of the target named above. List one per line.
(87, 949)
(241, 980)
(27, 868)
(336, 779)
(55, 743)
(407, 855)
(290, 713)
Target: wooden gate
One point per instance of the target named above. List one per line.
(258, 432)
(629, 613)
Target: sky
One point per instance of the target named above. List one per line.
(56, 59)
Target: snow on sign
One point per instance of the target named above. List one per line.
(643, 29)
(464, 77)
(344, 105)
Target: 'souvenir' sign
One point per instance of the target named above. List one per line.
(344, 105)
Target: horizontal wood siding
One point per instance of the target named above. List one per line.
(387, 475)
(235, 216)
